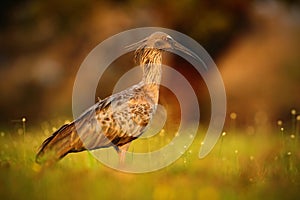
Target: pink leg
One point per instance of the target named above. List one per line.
(122, 153)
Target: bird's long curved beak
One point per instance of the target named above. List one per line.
(179, 47)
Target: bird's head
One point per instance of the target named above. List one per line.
(160, 41)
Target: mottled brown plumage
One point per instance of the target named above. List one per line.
(119, 118)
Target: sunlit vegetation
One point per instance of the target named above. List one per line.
(243, 165)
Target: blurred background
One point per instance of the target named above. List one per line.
(255, 45)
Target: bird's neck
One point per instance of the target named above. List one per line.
(151, 61)
(151, 65)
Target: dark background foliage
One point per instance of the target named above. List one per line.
(254, 43)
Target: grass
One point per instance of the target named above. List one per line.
(243, 165)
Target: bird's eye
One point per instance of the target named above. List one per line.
(158, 43)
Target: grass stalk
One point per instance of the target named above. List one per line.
(221, 144)
(24, 133)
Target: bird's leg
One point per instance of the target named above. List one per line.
(122, 153)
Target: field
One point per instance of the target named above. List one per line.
(245, 164)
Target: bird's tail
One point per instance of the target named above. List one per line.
(59, 144)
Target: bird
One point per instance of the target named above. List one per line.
(122, 117)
